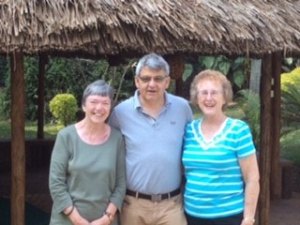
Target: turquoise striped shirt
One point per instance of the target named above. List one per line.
(214, 183)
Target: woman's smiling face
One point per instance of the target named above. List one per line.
(210, 97)
(97, 108)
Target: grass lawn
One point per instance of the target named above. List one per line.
(30, 130)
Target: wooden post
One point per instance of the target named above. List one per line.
(176, 63)
(17, 139)
(265, 141)
(41, 96)
(179, 87)
(276, 127)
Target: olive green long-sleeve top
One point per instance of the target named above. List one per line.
(86, 176)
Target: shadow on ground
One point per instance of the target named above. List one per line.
(33, 215)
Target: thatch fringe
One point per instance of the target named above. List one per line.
(110, 27)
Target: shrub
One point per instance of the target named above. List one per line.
(290, 144)
(64, 107)
(2, 112)
(290, 86)
(249, 102)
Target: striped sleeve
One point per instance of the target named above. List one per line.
(245, 145)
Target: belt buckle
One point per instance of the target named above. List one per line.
(156, 198)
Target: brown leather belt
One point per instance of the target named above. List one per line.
(155, 197)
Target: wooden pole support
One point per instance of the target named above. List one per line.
(17, 139)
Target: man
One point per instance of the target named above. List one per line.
(152, 122)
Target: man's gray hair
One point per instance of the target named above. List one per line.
(152, 61)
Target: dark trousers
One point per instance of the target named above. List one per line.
(231, 220)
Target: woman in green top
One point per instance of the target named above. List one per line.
(87, 170)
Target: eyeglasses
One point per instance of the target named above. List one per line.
(147, 79)
(212, 93)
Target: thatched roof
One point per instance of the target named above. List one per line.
(112, 27)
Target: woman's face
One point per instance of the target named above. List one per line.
(97, 108)
(210, 97)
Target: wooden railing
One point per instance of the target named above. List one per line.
(38, 154)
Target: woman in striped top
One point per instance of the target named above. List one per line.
(222, 177)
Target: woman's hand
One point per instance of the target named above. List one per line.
(77, 219)
(108, 216)
(248, 221)
(104, 220)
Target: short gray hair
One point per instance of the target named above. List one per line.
(98, 87)
(152, 61)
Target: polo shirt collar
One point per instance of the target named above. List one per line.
(137, 103)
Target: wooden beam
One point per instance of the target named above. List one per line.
(43, 60)
(17, 139)
(177, 65)
(276, 127)
(265, 140)
(179, 87)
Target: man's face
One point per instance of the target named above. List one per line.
(152, 84)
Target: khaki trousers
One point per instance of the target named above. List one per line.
(138, 211)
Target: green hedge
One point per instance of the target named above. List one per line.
(290, 146)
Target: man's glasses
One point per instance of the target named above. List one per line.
(157, 79)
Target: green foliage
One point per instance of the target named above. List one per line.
(64, 107)
(64, 75)
(235, 111)
(76, 73)
(188, 70)
(239, 69)
(249, 102)
(3, 70)
(290, 145)
(235, 69)
(31, 81)
(289, 64)
(4, 129)
(220, 63)
(291, 78)
(290, 87)
(2, 99)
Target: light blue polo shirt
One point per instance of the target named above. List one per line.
(153, 146)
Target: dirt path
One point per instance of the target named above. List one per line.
(285, 211)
